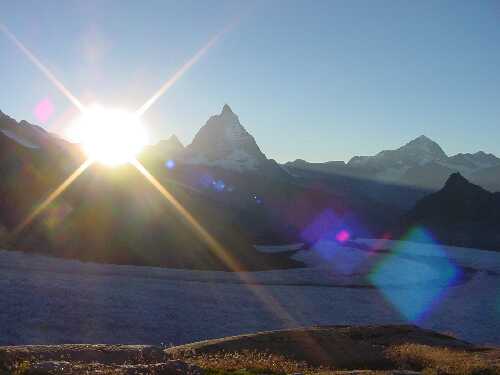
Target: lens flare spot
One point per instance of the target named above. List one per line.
(170, 164)
(343, 236)
(206, 181)
(322, 227)
(44, 110)
(219, 185)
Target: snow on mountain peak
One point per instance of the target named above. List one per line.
(227, 110)
(425, 147)
(420, 151)
(423, 139)
(224, 142)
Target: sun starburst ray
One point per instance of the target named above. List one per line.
(215, 246)
(182, 70)
(52, 196)
(50, 76)
(218, 249)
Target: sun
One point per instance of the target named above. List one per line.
(108, 135)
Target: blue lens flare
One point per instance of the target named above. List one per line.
(322, 228)
(218, 185)
(257, 199)
(415, 276)
(329, 236)
(341, 259)
(206, 181)
(170, 164)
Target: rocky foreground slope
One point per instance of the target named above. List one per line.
(329, 349)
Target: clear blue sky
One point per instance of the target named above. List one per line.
(318, 80)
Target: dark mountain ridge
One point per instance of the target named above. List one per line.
(461, 213)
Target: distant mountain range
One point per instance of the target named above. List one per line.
(421, 163)
(225, 180)
(115, 215)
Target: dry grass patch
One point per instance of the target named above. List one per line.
(246, 362)
(436, 360)
(332, 350)
(413, 357)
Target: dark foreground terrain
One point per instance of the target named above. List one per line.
(399, 349)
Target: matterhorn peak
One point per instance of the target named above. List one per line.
(228, 117)
(423, 138)
(227, 110)
(225, 143)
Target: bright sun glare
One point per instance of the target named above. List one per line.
(109, 136)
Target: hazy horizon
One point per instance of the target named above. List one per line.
(334, 79)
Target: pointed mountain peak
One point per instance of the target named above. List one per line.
(458, 184)
(173, 140)
(456, 179)
(425, 147)
(168, 147)
(224, 142)
(228, 117)
(227, 110)
(423, 138)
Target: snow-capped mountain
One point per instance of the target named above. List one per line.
(420, 163)
(223, 142)
(420, 151)
(473, 162)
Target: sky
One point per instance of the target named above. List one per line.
(321, 80)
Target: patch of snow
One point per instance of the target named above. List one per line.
(234, 132)
(466, 257)
(279, 248)
(51, 300)
(22, 141)
(237, 160)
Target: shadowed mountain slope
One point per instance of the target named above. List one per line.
(461, 213)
